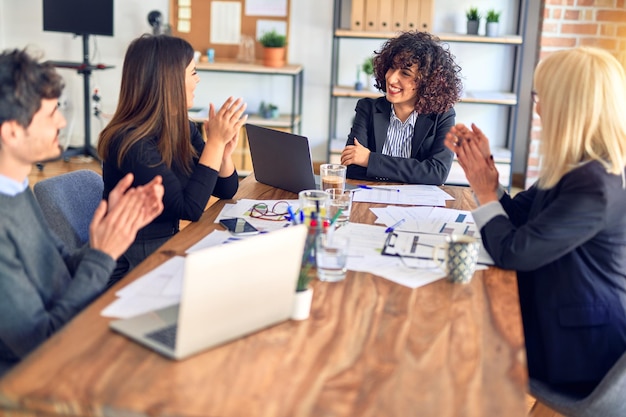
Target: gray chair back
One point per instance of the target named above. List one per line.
(68, 202)
(607, 400)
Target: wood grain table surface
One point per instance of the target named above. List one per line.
(370, 348)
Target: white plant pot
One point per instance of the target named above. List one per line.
(492, 29)
(302, 304)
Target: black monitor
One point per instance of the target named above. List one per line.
(82, 17)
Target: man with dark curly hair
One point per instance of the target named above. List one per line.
(400, 137)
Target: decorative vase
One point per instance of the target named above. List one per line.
(472, 27)
(492, 29)
(274, 57)
(302, 304)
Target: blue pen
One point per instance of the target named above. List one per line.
(292, 215)
(367, 187)
(396, 224)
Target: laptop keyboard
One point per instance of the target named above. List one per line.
(166, 335)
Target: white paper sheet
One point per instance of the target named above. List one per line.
(243, 208)
(414, 195)
(225, 22)
(366, 244)
(157, 289)
(276, 8)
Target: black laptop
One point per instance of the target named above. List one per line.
(281, 159)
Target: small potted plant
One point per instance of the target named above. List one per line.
(368, 68)
(268, 111)
(492, 26)
(273, 48)
(473, 20)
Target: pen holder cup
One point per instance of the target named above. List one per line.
(461, 255)
(314, 206)
(313, 213)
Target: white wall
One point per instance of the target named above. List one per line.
(310, 45)
(21, 25)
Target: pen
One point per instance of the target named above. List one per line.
(367, 187)
(336, 216)
(392, 227)
(292, 215)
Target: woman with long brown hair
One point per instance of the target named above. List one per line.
(150, 134)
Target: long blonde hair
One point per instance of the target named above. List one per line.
(582, 94)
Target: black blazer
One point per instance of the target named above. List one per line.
(430, 160)
(568, 245)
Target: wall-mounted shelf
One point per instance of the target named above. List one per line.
(288, 121)
(445, 37)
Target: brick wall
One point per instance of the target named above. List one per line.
(571, 23)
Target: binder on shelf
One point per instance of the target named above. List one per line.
(398, 13)
(385, 15)
(412, 15)
(371, 15)
(357, 15)
(427, 9)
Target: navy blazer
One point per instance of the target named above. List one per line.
(430, 160)
(568, 245)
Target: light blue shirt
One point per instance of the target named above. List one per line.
(11, 187)
(399, 135)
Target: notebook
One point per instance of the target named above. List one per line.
(224, 298)
(282, 160)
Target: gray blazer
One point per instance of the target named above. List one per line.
(430, 160)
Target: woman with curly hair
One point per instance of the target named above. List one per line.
(400, 137)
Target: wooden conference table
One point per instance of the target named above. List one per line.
(370, 348)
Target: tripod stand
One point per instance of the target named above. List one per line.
(84, 68)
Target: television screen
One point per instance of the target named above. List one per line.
(94, 17)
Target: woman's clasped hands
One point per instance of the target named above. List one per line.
(472, 149)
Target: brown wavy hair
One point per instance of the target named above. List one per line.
(152, 101)
(438, 82)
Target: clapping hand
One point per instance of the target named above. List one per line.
(115, 223)
(222, 129)
(474, 156)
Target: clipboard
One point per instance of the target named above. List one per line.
(412, 244)
(408, 244)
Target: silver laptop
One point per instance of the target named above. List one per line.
(228, 291)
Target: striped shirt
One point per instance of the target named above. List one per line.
(399, 135)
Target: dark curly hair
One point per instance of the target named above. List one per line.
(438, 82)
(24, 82)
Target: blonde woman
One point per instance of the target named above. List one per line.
(566, 235)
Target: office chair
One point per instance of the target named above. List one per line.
(68, 202)
(607, 400)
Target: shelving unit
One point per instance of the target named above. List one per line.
(290, 121)
(510, 98)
